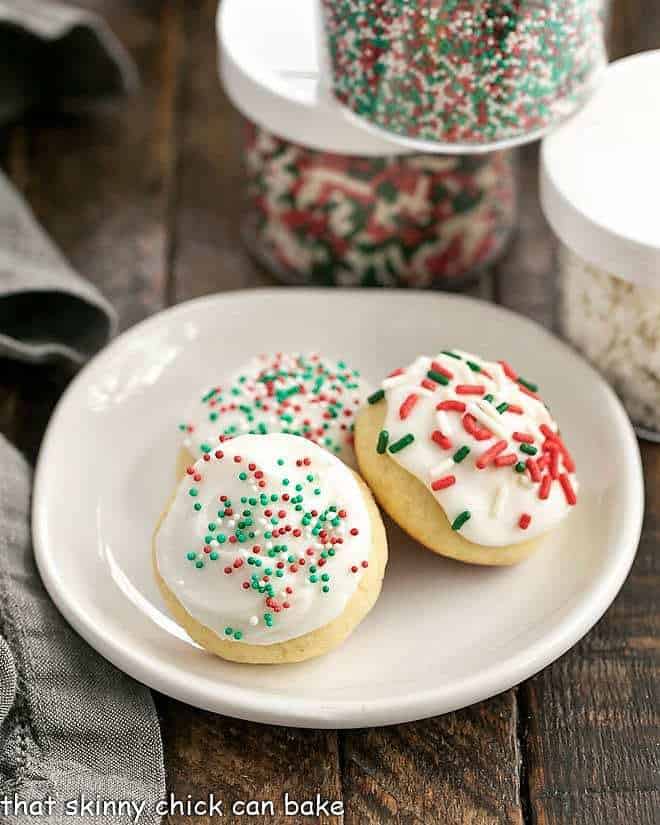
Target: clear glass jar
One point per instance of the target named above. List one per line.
(616, 325)
(465, 73)
(413, 221)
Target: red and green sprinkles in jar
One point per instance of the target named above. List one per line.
(410, 220)
(255, 538)
(467, 72)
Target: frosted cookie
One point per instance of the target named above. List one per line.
(270, 551)
(305, 395)
(465, 457)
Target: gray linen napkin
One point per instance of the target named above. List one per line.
(72, 727)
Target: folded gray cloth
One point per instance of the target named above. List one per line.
(46, 311)
(72, 728)
(57, 56)
(77, 727)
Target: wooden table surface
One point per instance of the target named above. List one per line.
(144, 202)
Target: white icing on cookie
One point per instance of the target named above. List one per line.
(259, 570)
(293, 393)
(475, 425)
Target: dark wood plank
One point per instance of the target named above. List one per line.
(209, 253)
(241, 762)
(101, 186)
(454, 769)
(590, 723)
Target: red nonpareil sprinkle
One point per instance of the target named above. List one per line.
(365, 564)
(428, 384)
(197, 477)
(190, 471)
(470, 389)
(442, 370)
(508, 370)
(451, 406)
(238, 563)
(524, 521)
(506, 460)
(354, 531)
(534, 471)
(443, 483)
(515, 408)
(237, 459)
(544, 489)
(219, 454)
(490, 455)
(567, 487)
(354, 569)
(408, 406)
(441, 440)
(396, 372)
(228, 570)
(206, 457)
(524, 438)
(246, 585)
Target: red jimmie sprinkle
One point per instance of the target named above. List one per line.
(451, 406)
(396, 372)
(441, 440)
(506, 460)
(408, 405)
(554, 462)
(508, 370)
(534, 472)
(524, 438)
(428, 384)
(442, 370)
(567, 487)
(470, 389)
(491, 453)
(544, 489)
(528, 392)
(470, 426)
(443, 483)
(524, 521)
(514, 408)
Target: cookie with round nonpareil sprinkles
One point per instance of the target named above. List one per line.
(271, 550)
(465, 456)
(292, 393)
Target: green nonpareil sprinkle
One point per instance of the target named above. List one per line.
(377, 396)
(402, 443)
(520, 467)
(531, 386)
(459, 455)
(383, 439)
(502, 408)
(438, 377)
(460, 520)
(529, 449)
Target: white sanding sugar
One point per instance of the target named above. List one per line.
(617, 326)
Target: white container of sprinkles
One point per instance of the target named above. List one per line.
(328, 202)
(600, 179)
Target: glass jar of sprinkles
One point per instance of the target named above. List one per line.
(455, 75)
(316, 217)
(600, 180)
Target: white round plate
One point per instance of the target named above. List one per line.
(442, 635)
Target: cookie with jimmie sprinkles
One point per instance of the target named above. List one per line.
(297, 394)
(465, 456)
(271, 550)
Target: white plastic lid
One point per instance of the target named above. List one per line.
(270, 65)
(600, 174)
